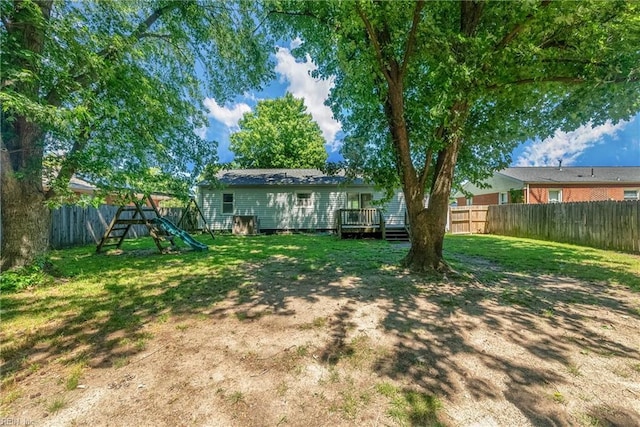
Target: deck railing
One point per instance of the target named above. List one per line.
(369, 220)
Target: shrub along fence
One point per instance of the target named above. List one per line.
(613, 225)
(76, 225)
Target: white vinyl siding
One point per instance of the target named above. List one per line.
(277, 206)
(394, 210)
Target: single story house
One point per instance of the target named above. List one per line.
(554, 185)
(296, 200)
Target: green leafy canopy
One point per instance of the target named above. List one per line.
(279, 134)
(524, 69)
(116, 88)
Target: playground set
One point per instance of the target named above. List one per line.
(145, 212)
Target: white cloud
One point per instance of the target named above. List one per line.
(225, 115)
(201, 131)
(313, 91)
(295, 43)
(567, 146)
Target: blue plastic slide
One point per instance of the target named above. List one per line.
(171, 228)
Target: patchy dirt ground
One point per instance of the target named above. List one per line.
(384, 349)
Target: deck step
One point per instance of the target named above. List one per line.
(397, 235)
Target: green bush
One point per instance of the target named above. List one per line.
(26, 277)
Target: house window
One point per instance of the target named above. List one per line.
(304, 200)
(469, 201)
(503, 199)
(227, 203)
(365, 200)
(353, 201)
(631, 195)
(555, 196)
(359, 200)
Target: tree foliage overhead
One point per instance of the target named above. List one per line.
(423, 88)
(279, 134)
(114, 87)
(113, 91)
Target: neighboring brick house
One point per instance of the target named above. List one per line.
(554, 184)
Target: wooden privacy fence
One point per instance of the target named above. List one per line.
(76, 225)
(608, 225)
(468, 219)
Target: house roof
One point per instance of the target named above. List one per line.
(550, 175)
(253, 177)
(78, 184)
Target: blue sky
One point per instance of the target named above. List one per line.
(606, 145)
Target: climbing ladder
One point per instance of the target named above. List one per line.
(185, 215)
(144, 212)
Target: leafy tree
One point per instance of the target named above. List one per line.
(426, 88)
(112, 90)
(279, 134)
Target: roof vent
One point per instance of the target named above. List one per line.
(592, 175)
(559, 164)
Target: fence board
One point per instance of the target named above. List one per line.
(613, 225)
(467, 219)
(75, 225)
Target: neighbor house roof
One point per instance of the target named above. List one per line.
(80, 185)
(259, 177)
(551, 175)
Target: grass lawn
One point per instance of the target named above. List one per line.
(310, 330)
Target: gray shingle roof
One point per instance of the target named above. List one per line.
(620, 174)
(251, 177)
(79, 184)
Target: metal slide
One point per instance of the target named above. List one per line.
(171, 228)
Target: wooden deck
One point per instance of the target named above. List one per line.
(370, 222)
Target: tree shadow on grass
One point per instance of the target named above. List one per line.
(434, 324)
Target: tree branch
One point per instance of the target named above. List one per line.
(561, 79)
(306, 13)
(518, 28)
(376, 44)
(470, 14)
(110, 52)
(425, 169)
(411, 40)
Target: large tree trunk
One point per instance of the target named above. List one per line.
(26, 221)
(25, 218)
(428, 224)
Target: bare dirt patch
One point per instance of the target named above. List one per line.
(386, 348)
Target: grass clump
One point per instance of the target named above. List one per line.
(236, 397)
(56, 405)
(558, 397)
(74, 377)
(574, 370)
(411, 407)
